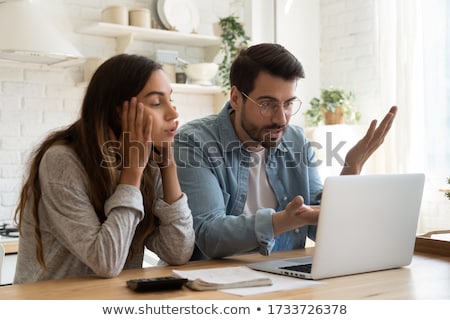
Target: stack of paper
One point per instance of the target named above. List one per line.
(223, 278)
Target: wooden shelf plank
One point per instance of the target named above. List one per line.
(193, 88)
(154, 35)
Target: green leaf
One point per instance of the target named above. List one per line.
(233, 39)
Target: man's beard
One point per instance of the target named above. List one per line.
(264, 140)
(269, 143)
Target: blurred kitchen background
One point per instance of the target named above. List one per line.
(386, 52)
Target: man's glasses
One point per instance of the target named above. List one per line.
(270, 107)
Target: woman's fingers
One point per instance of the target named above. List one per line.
(131, 119)
(124, 116)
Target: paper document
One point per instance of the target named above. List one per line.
(241, 281)
(441, 236)
(223, 278)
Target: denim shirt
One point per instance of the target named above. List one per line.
(213, 169)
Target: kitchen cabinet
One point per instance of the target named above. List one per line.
(8, 269)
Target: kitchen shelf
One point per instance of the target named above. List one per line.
(194, 88)
(184, 88)
(126, 34)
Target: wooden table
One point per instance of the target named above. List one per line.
(428, 277)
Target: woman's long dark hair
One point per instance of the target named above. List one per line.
(115, 81)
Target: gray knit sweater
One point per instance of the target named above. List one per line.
(75, 243)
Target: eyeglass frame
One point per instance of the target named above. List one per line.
(274, 108)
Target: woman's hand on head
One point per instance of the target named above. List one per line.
(163, 155)
(135, 141)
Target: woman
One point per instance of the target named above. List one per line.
(101, 190)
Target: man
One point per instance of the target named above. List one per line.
(251, 178)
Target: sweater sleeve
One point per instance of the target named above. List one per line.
(173, 241)
(69, 215)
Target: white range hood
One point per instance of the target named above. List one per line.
(27, 36)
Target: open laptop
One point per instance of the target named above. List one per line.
(366, 223)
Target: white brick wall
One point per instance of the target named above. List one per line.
(32, 102)
(35, 100)
(347, 50)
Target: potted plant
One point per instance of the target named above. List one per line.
(333, 107)
(446, 190)
(233, 39)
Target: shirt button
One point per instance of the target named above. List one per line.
(296, 230)
(285, 198)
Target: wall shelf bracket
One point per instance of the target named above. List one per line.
(123, 42)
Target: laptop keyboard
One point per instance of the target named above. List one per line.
(301, 268)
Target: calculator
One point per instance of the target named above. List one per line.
(156, 284)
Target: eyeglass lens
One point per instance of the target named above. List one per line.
(289, 108)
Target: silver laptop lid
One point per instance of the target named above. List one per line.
(367, 223)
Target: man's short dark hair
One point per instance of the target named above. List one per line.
(270, 57)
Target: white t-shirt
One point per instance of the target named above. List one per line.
(260, 193)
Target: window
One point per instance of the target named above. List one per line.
(414, 59)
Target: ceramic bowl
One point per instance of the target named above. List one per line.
(202, 73)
